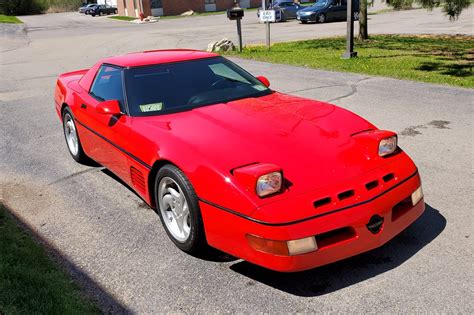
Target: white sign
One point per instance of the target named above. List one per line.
(267, 16)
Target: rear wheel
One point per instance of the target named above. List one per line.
(72, 138)
(178, 208)
(321, 18)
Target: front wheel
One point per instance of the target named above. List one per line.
(178, 208)
(321, 18)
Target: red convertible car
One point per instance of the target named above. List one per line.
(280, 181)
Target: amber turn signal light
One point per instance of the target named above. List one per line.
(283, 248)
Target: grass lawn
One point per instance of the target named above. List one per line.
(9, 19)
(30, 283)
(433, 59)
(122, 18)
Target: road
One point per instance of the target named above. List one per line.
(114, 245)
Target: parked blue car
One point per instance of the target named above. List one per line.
(327, 10)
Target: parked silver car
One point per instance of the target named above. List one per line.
(84, 9)
(285, 9)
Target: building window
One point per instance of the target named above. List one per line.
(156, 4)
(209, 1)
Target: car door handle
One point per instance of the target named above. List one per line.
(83, 106)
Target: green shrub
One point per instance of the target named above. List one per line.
(21, 7)
(400, 4)
(64, 5)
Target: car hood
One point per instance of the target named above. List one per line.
(310, 140)
(311, 9)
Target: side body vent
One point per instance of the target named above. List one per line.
(138, 180)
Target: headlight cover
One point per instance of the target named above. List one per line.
(387, 146)
(269, 184)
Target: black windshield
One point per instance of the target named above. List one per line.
(160, 89)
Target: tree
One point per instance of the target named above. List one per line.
(452, 8)
(363, 29)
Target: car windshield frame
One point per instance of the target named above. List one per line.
(132, 107)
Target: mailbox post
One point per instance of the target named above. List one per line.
(237, 14)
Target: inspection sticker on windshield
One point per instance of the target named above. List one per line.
(151, 107)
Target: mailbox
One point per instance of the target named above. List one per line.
(235, 13)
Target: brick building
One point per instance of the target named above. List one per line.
(175, 7)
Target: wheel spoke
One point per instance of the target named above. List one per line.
(174, 192)
(180, 222)
(185, 211)
(167, 200)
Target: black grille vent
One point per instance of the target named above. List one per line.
(322, 202)
(138, 180)
(346, 194)
(371, 185)
(388, 177)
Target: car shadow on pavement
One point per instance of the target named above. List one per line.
(91, 289)
(336, 276)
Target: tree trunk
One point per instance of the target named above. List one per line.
(363, 27)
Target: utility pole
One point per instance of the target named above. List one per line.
(350, 53)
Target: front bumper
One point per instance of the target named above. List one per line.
(306, 18)
(339, 235)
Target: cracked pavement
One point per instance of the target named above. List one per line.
(115, 246)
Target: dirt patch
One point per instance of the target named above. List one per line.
(440, 124)
(414, 130)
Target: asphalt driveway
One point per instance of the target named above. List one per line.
(115, 245)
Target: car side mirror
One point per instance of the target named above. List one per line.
(110, 107)
(264, 80)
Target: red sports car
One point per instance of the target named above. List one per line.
(281, 181)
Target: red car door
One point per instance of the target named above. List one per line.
(104, 136)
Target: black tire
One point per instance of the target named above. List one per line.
(80, 157)
(321, 18)
(93, 14)
(304, 22)
(115, 11)
(196, 242)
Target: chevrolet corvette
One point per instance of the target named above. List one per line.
(281, 181)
